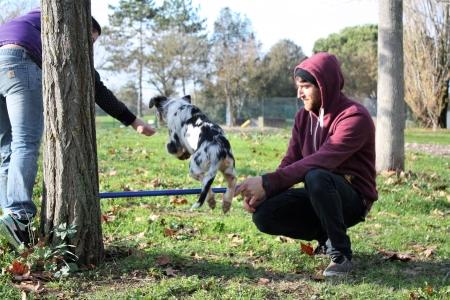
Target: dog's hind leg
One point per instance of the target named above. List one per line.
(230, 176)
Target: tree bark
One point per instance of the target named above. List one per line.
(70, 154)
(391, 107)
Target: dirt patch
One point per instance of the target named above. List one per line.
(433, 149)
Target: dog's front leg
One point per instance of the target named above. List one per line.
(230, 176)
(211, 199)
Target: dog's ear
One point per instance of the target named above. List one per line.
(156, 101)
(187, 98)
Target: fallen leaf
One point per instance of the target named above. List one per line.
(236, 240)
(388, 173)
(391, 255)
(153, 218)
(438, 213)
(106, 218)
(163, 260)
(169, 232)
(196, 256)
(175, 200)
(18, 268)
(263, 281)
(429, 251)
(170, 272)
(155, 182)
(318, 276)
(307, 249)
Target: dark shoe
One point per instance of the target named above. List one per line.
(17, 232)
(338, 266)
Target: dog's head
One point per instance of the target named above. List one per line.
(161, 103)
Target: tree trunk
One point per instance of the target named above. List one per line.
(140, 70)
(391, 107)
(139, 104)
(445, 95)
(70, 155)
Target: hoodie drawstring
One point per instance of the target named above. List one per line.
(319, 123)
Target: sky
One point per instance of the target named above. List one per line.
(302, 21)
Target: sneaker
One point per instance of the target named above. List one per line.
(338, 266)
(17, 232)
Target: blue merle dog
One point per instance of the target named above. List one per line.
(191, 133)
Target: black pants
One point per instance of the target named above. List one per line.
(322, 211)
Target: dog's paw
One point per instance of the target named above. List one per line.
(212, 202)
(184, 156)
(226, 206)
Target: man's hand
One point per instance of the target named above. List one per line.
(253, 193)
(143, 128)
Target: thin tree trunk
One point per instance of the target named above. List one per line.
(70, 153)
(443, 116)
(391, 108)
(139, 104)
(141, 72)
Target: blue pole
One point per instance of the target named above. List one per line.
(131, 194)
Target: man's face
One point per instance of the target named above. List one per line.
(309, 94)
(94, 35)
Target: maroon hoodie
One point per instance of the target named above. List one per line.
(341, 139)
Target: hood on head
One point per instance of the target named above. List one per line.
(326, 70)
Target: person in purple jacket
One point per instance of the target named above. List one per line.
(332, 151)
(21, 120)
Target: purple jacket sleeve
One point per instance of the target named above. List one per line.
(348, 137)
(293, 152)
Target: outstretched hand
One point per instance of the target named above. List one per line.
(143, 128)
(253, 193)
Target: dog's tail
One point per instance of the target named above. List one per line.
(204, 192)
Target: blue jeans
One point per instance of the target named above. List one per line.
(322, 211)
(21, 128)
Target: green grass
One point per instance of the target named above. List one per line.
(426, 136)
(211, 256)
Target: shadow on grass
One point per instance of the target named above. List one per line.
(187, 265)
(369, 269)
(373, 268)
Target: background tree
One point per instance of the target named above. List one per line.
(390, 146)
(14, 8)
(70, 193)
(427, 60)
(356, 49)
(235, 55)
(277, 69)
(178, 26)
(130, 26)
(129, 93)
(161, 64)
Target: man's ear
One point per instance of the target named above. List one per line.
(156, 101)
(187, 98)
